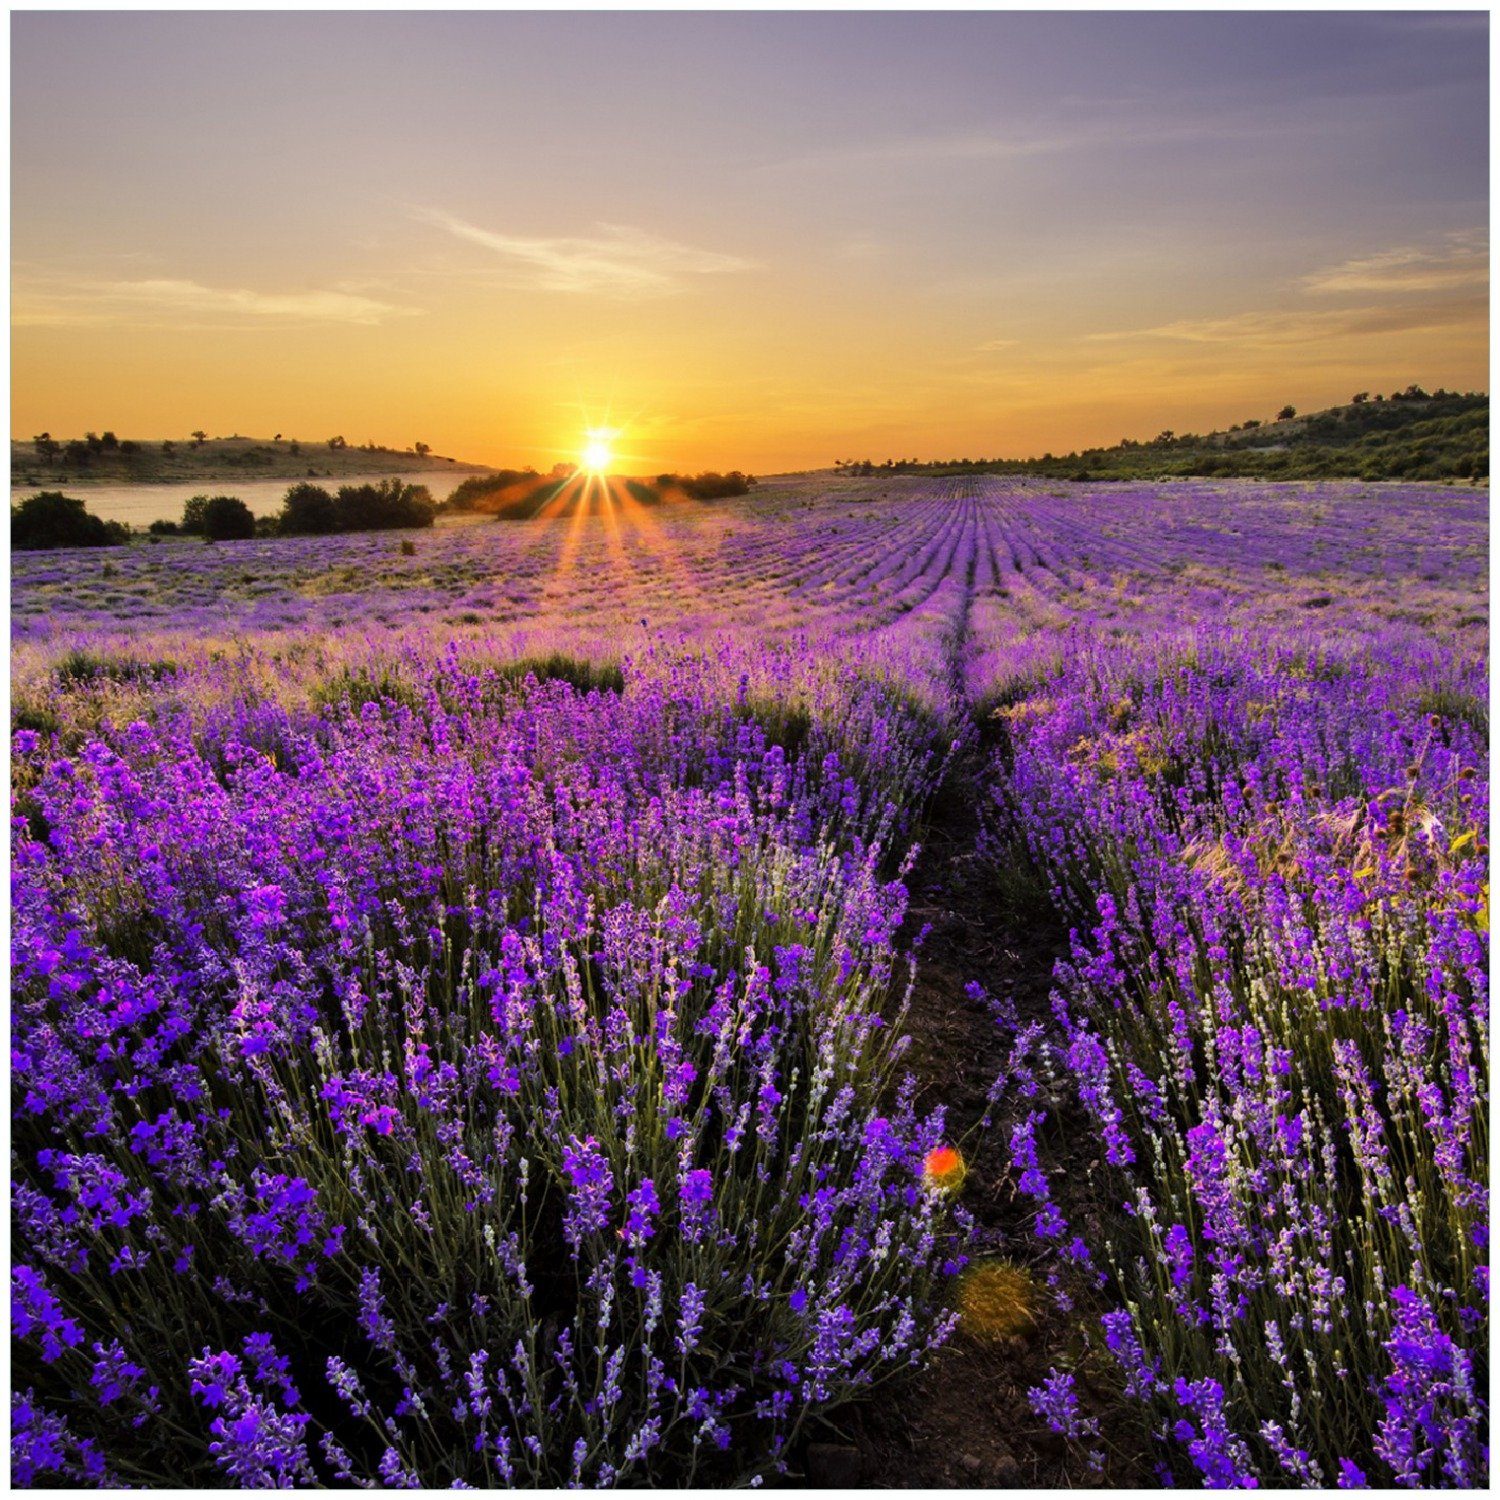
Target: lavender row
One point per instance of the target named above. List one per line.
(477, 1082)
(1275, 1016)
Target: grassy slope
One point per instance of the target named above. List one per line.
(1444, 437)
(219, 460)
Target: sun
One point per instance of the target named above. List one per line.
(597, 454)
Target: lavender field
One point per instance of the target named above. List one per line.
(465, 989)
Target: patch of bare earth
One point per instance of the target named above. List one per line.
(965, 1420)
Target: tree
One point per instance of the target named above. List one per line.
(228, 519)
(384, 507)
(335, 443)
(52, 519)
(200, 437)
(195, 515)
(129, 445)
(47, 446)
(1359, 398)
(307, 510)
(422, 450)
(168, 446)
(1286, 414)
(109, 442)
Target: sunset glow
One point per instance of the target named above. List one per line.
(977, 241)
(597, 454)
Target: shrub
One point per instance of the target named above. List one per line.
(194, 515)
(709, 485)
(1273, 1015)
(227, 519)
(52, 519)
(474, 491)
(308, 510)
(387, 506)
(508, 1104)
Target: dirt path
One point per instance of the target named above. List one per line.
(965, 1420)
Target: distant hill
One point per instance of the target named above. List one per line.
(109, 460)
(1412, 434)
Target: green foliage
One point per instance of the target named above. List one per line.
(308, 510)
(227, 519)
(52, 519)
(86, 668)
(583, 675)
(1412, 436)
(390, 505)
(194, 512)
(709, 485)
(481, 492)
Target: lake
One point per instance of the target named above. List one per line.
(141, 504)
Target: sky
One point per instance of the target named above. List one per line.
(755, 241)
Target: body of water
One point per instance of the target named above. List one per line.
(141, 504)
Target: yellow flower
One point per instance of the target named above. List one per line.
(997, 1300)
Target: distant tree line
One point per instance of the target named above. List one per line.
(1410, 434)
(391, 505)
(80, 453)
(219, 518)
(307, 510)
(708, 485)
(520, 493)
(471, 493)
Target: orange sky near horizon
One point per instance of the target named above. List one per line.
(817, 237)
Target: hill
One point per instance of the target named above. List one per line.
(105, 459)
(1412, 434)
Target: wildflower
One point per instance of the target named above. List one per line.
(943, 1170)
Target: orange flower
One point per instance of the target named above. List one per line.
(944, 1169)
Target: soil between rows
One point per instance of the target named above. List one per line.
(965, 1420)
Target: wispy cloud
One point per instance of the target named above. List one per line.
(993, 346)
(615, 261)
(1283, 329)
(1407, 289)
(1460, 260)
(84, 302)
(1121, 129)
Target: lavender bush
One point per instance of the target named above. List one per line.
(459, 992)
(1275, 1016)
(499, 1089)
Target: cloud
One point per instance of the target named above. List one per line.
(1461, 260)
(1124, 131)
(1408, 289)
(617, 261)
(1284, 329)
(991, 346)
(86, 302)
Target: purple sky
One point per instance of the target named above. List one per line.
(756, 239)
